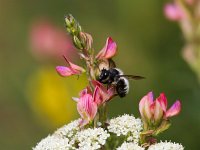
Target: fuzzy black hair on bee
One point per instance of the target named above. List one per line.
(115, 77)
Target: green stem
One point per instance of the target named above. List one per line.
(103, 114)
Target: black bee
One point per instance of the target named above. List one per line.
(115, 76)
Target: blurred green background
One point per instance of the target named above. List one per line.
(32, 95)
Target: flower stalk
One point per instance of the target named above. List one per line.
(97, 91)
(187, 13)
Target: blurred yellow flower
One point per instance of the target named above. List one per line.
(50, 96)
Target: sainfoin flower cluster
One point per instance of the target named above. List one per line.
(94, 130)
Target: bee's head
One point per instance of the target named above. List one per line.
(103, 75)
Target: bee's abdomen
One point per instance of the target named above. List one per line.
(122, 87)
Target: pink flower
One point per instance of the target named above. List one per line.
(50, 42)
(173, 12)
(101, 93)
(153, 111)
(71, 70)
(109, 50)
(87, 108)
(144, 106)
(87, 104)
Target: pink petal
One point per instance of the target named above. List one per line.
(76, 69)
(173, 12)
(158, 112)
(144, 105)
(83, 92)
(100, 85)
(64, 71)
(141, 105)
(150, 97)
(163, 101)
(75, 99)
(101, 93)
(109, 50)
(147, 109)
(97, 96)
(87, 108)
(174, 109)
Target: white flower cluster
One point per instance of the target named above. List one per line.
(130, 146)
(126, 125)
(166, 146)
(60, 139)
(54, 143)
(70, 136)
(68, 130)
(91, 139)
(158, 146)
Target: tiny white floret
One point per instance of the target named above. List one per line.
(166, 146)
(130, 146)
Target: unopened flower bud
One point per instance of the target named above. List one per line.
(77, 42)
(86, 40)
(72, 25)
(69, 20)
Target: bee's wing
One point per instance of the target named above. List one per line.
(133, 77)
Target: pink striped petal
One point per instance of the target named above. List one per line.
(64, 71)
(158, 112)
(97, 96)
(101, 94)
(76, 69)
(174, 109)
(109, 50)
(87, 108)
(100, 85)
(145, 106)
(141, 105)
(162, 99)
